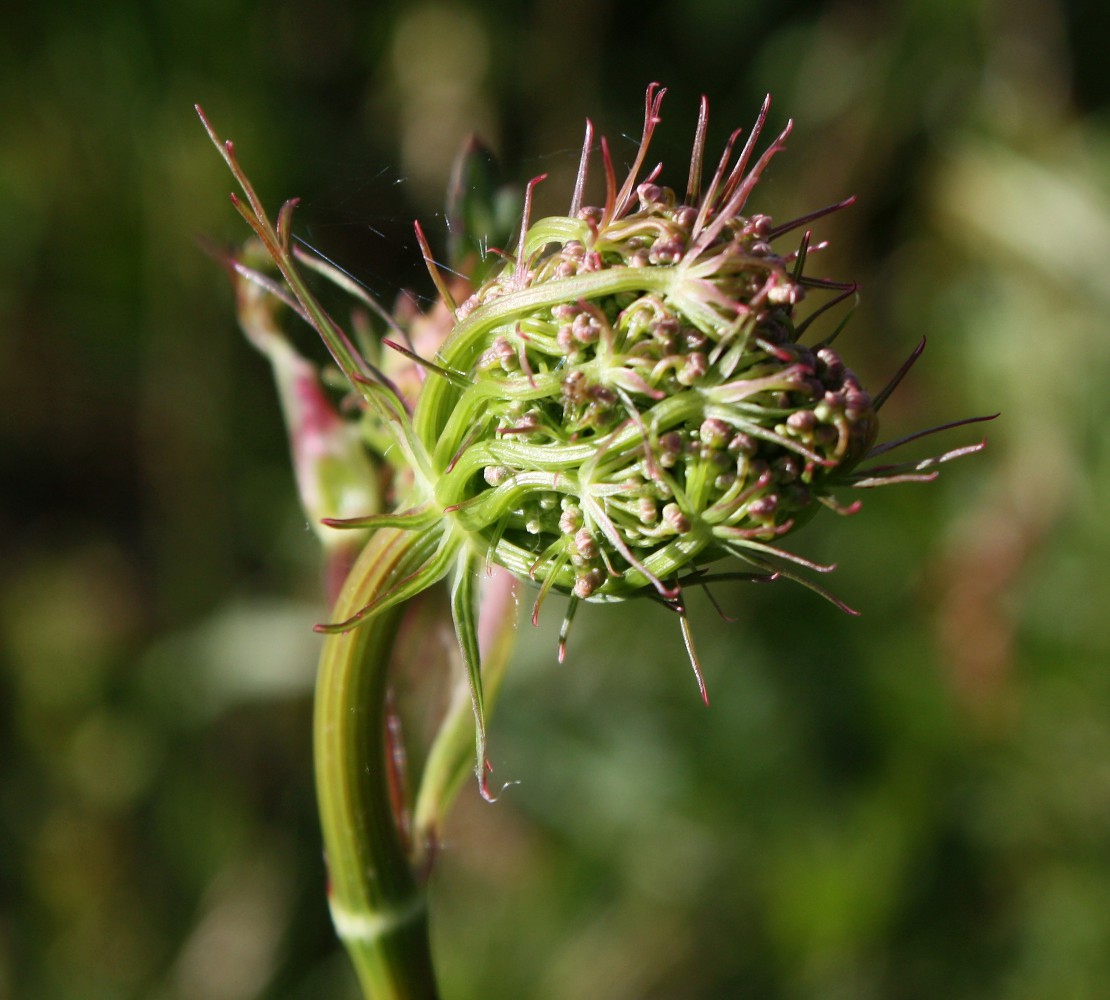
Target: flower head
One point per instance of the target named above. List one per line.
(627, 401)
(630, 399)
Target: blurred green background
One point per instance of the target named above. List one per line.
(912, 804)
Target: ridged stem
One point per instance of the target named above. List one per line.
(379, 910)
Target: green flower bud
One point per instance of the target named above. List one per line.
(654, 342)
(624, 402)
(670, 403)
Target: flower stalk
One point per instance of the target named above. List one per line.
(378, 907)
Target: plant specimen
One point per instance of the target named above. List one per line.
(631, 402)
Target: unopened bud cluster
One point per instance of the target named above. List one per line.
(630, 400)
(625, 403)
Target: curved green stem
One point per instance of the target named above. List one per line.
(379, 910)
